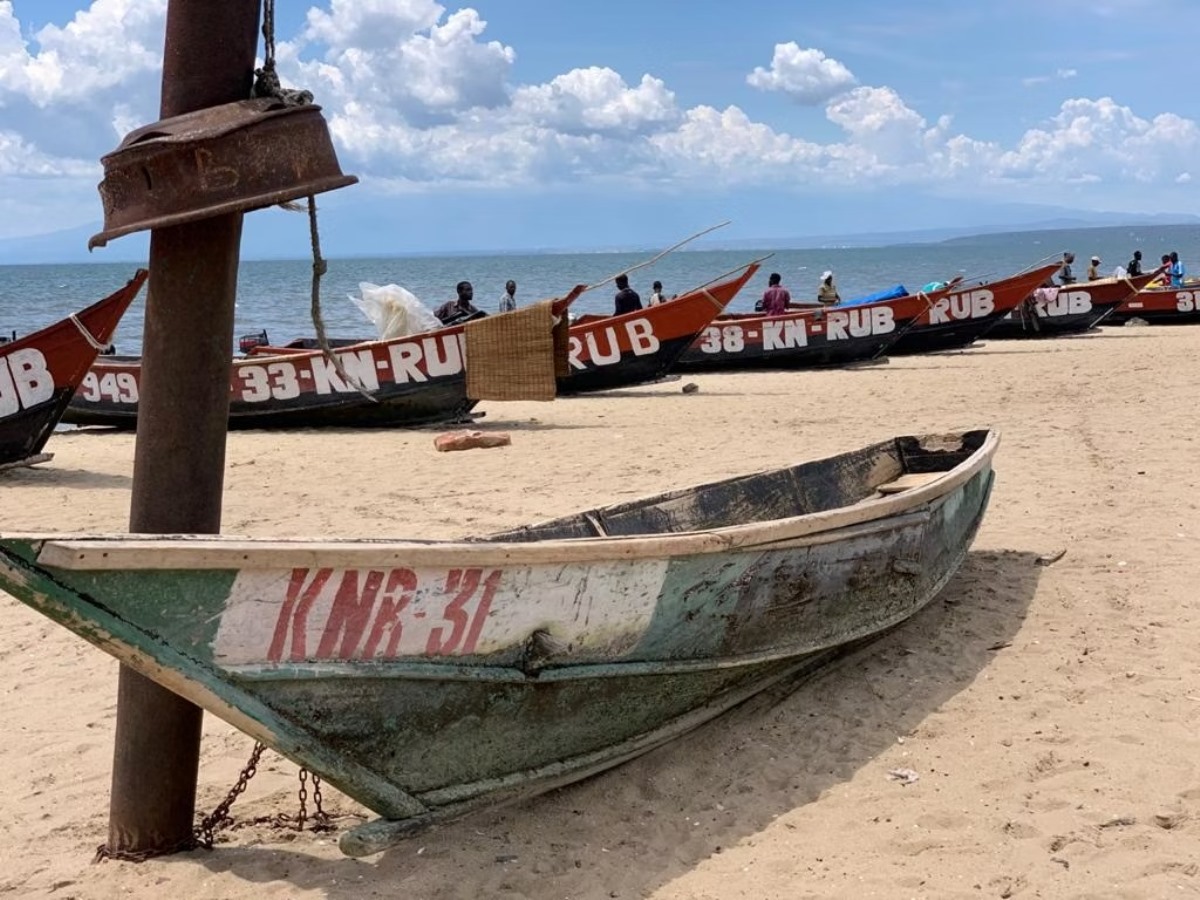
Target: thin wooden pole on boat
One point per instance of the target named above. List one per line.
(183, 415)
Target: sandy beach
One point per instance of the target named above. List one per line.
(1051, 712)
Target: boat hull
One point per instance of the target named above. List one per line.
(802, 340)
(415, 380)
(608, 352)
(427, 679)
(40, 372)
(1160, 306)
(959, 318)
(1075, 309)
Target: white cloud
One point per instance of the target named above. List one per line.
(805, 74)
(1102, 139)
(114, 42)
(596, 100)
(20, 158)
(409, 67)
(1059, 75)
(419, 97)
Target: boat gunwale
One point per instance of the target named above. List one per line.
(124, 552)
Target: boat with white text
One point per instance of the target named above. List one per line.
(41, 371)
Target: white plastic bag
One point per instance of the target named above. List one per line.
(394, 310)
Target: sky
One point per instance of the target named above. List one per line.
(515, 124)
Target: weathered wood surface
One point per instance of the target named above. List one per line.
(426, 686)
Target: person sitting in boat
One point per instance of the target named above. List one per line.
(459, 309)
(1065, 275)
(656, 294)
(827, 292)
(1176, 271)
(627, 299)
(776, 298)
(508, 302)
(1134, 268)
(1093, 272)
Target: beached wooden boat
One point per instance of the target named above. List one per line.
(958, 318)
(634, 348)
(1160, 306)
(430, 678)
(39, 372)
(802, 339)
(1073, 309)
(413, 380)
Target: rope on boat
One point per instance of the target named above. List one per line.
(87, 335)
(319, 268)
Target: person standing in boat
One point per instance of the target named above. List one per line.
(776, 298)
(1065, 275)
(627, 299)
(1176, 271)
(827, 292)
(1134, 268)
(508, 301)
(454, 310)
(1093, 272)
(656, 294)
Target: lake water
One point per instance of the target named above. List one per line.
(274, 295)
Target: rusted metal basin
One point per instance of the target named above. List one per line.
(224, 159)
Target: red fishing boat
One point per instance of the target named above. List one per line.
(803, 339)
(960, 316)
(417, 379)
(609, 352)
(40, 372)
(1166, 305)
(1071, 309)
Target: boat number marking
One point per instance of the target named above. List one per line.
(1186, 301)
(25, 381)
(789, 333)
(373, 612)
(115, 387)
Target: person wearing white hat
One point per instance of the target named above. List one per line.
(1093, 272)
(827, 294)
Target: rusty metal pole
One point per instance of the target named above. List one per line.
(183, 414)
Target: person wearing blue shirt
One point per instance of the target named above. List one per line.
(1177, 271)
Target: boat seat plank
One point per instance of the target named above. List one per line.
(908, 482)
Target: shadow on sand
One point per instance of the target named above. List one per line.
(52, 475)
(707, 790)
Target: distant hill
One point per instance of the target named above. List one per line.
(959, 234)
(350, 230)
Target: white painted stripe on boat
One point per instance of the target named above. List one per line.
(348, 614)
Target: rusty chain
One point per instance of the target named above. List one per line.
(205, 832)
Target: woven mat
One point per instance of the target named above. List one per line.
(512, 356)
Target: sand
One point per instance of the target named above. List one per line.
(1052, 713)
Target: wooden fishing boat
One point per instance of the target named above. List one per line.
(803, 339)
(609, 352)
(959, 317)
(1072, 309)
(430, 678)
(1160, 306)
(40, 372)
(413, 380)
